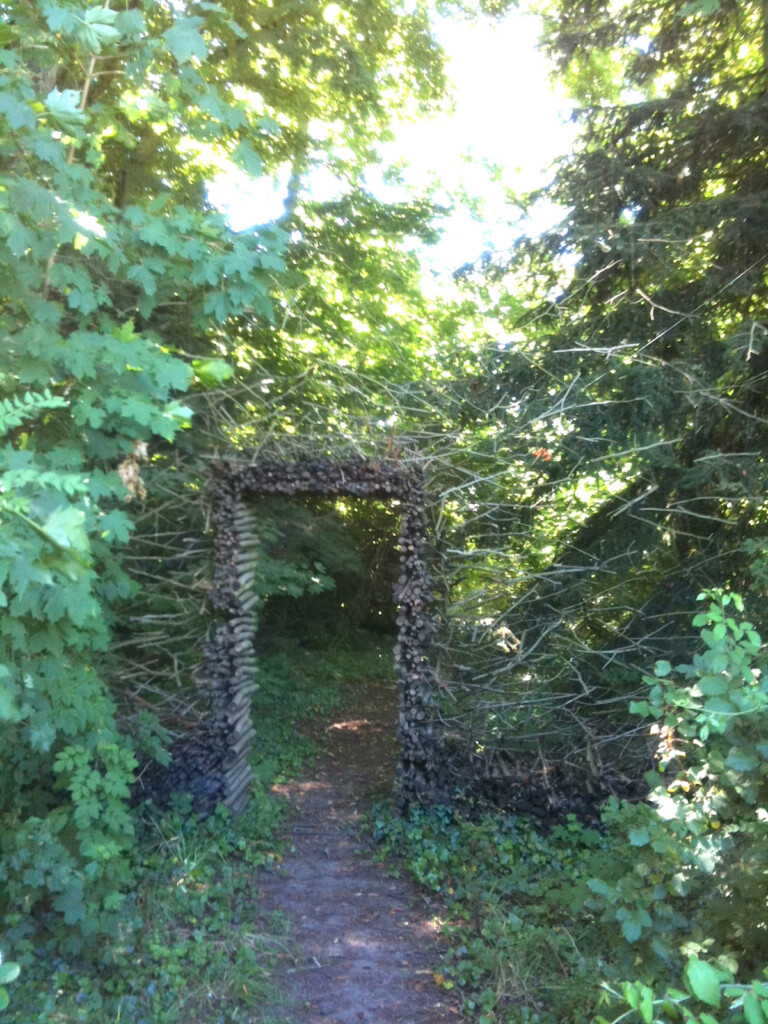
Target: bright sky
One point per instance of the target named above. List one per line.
(506, 114)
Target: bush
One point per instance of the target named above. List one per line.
(690, 884)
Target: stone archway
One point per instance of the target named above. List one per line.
(213, 764)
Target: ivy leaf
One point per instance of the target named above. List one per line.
(102, 16)
(601, 888)
(185, 41)
(69, 565)
(137, 408)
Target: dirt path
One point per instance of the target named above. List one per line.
(367, 942)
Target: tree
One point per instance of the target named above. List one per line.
(625, 401)
(90, 270)
(122, 291)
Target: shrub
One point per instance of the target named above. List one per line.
(689, 889)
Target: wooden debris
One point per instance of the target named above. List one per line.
(212, 764)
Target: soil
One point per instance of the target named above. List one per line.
(364, 943)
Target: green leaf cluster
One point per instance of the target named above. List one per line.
(66, 826)
(689, 877)
(613, 453)
(122, 290)
(93, 257)
(521, 945)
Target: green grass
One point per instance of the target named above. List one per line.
(298, 684)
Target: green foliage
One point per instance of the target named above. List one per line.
(522, 948)
(89, 259)
(66, 827)
(192, 939)
(344, 552)
(709, 996)
(696, 851)
(689, 883)
(9, 972)
(189, 941)
(320, 680)
(14, 410)
(582, 515)
(300, 550)
(670, 892)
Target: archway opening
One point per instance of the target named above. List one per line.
(326, 625)
(231, 651)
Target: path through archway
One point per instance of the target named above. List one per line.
(214, 766)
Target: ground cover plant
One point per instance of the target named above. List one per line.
(186, 945)
(122, 290)
(669, 893)
(521, 946)
(190, 943)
